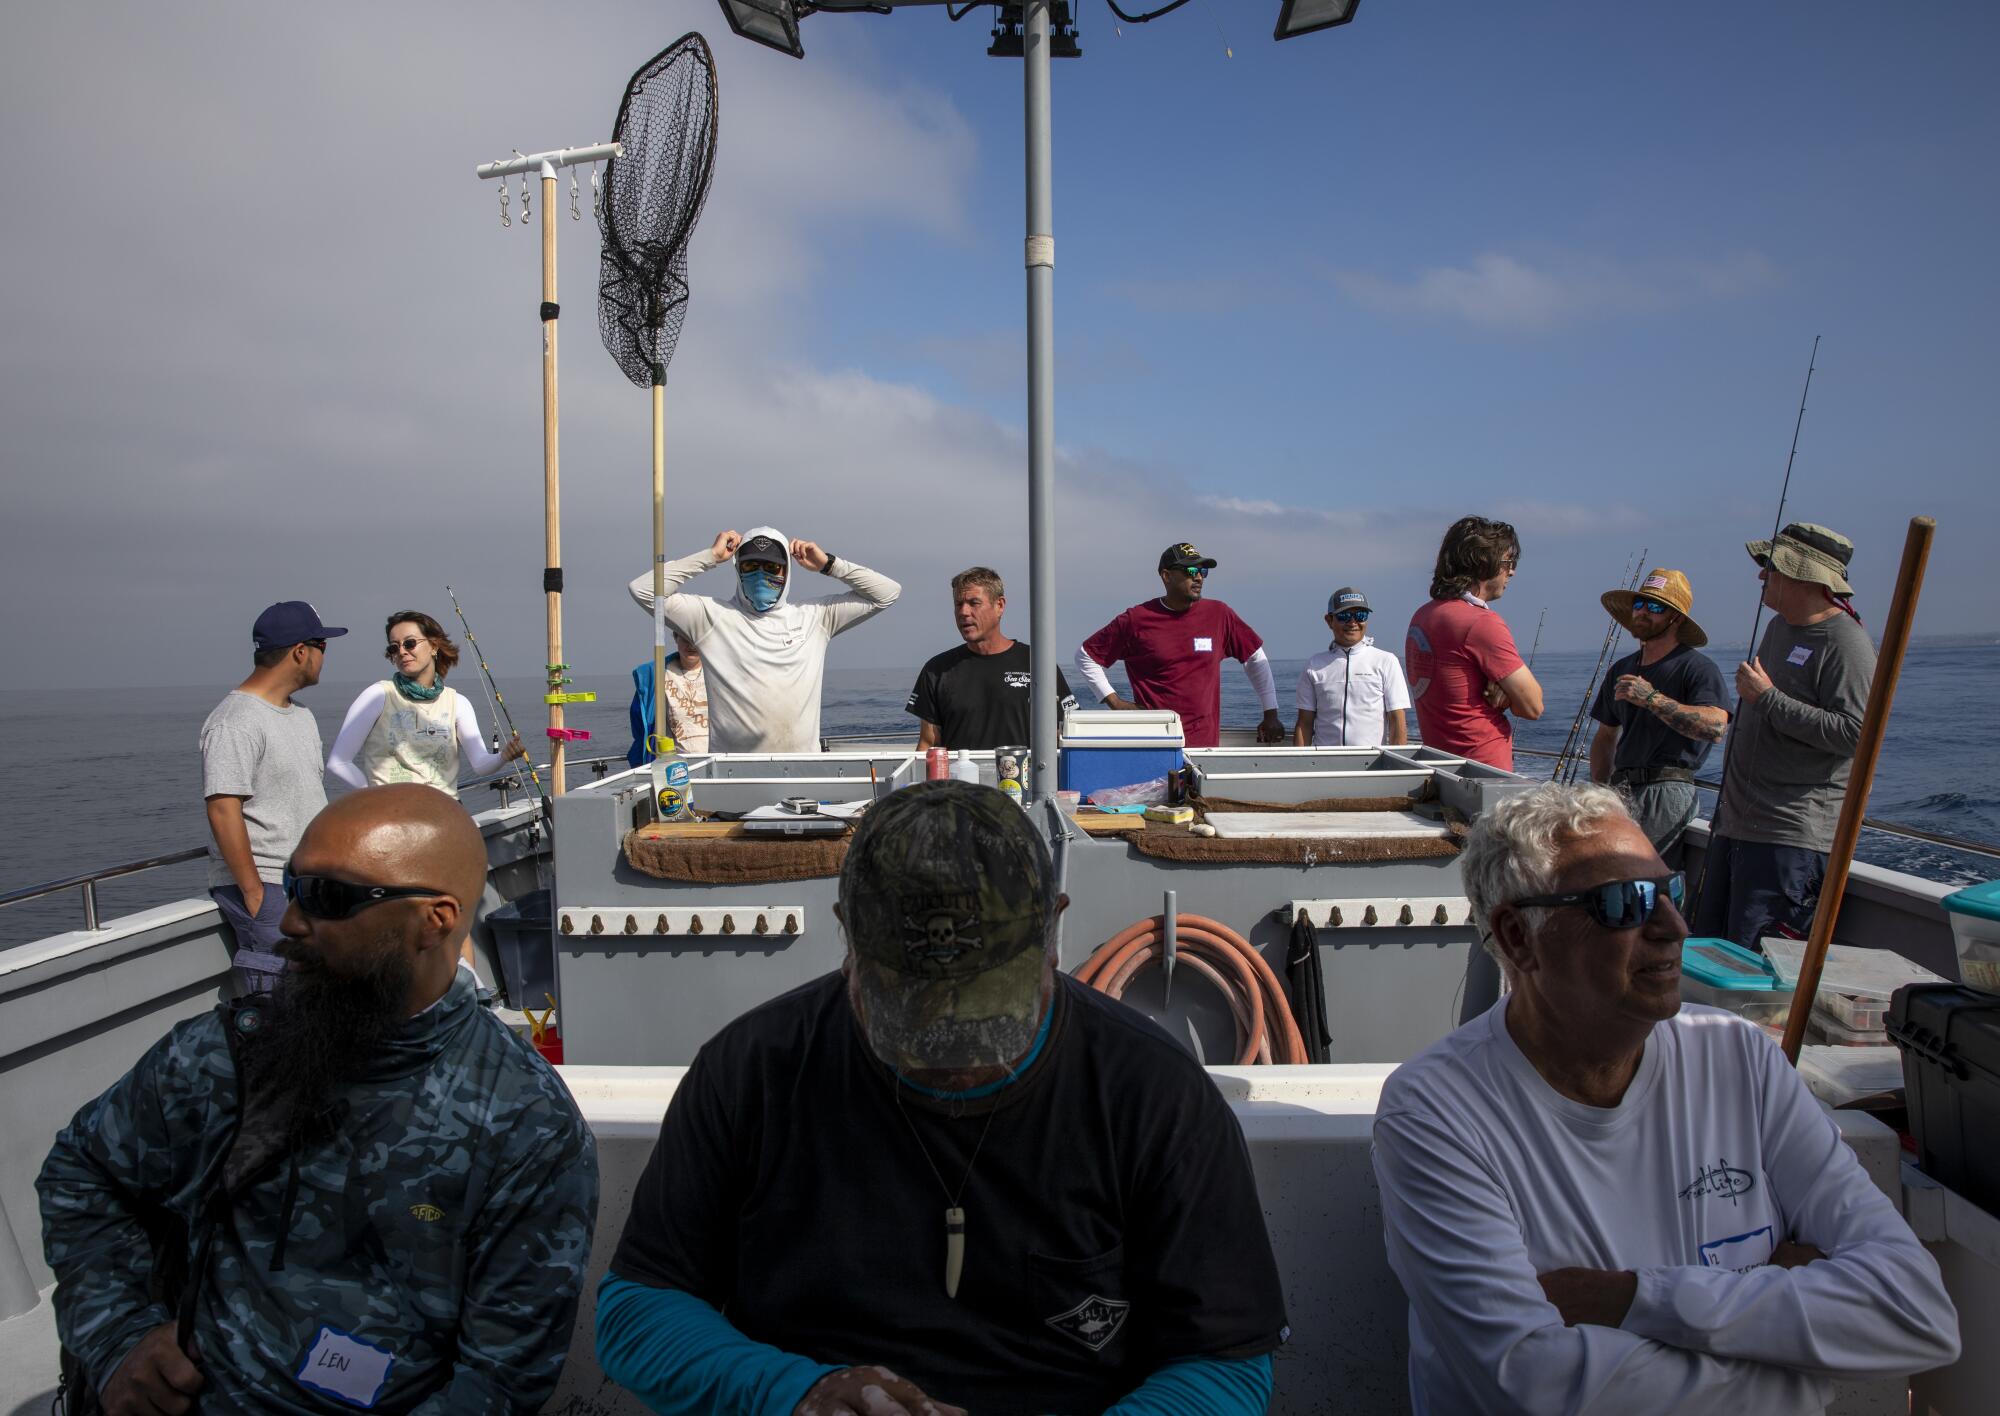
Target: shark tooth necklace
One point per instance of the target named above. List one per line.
(954, 1214)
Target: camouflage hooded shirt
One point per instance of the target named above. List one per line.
(422, 1253)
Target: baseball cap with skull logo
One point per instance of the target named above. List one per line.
(949, 900)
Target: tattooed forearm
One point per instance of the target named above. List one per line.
(1699, 724)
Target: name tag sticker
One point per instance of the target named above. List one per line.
(345, 1367)
(1800, 653)
(1740, 1251)
(1203, 644)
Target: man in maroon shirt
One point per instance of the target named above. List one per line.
(1173, 649)
(1465, 673)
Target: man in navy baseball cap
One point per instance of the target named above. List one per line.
(261, 760)
(290, 622)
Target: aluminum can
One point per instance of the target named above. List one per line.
(937, 764)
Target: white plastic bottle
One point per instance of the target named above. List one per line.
(672, 794)
(963, 768)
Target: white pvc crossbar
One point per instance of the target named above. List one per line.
(546, 163)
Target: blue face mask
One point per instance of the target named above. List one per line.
(760, 589)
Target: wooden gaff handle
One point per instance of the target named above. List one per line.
(1853, 806)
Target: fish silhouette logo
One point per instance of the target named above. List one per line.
(1093, 1322)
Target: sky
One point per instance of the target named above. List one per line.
(263, 336)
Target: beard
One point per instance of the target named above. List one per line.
(323, 1027)
(1659, 631)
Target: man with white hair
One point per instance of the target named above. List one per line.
(1600, 1199)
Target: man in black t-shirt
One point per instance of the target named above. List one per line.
(947, 1176)
(976, 696)
(1660, 709)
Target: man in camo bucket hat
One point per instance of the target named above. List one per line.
(950, 905)
(947, 1177)
(1800, 701)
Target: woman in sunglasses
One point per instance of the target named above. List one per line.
(411, 727)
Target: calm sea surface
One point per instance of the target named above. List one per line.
(114, 775)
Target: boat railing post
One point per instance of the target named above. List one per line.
(90, 904)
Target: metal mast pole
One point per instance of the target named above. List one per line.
(1041, 263)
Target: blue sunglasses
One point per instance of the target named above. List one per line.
(1650, 606)
(1352, 616)
(1618, 904)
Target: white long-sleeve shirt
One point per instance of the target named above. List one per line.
(361, 715)
(1716, 1154)
(764, 670)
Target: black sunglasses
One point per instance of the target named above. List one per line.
(401, 645)
(323, 897)
(1619, 904)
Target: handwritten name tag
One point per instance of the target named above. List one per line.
(1203, 644)
(1739, 1251)
(345, 1367)
(1800, 653)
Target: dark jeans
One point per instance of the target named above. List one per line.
(1751, 889)
(256, 961)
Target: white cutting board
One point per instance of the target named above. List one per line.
(1353, 825)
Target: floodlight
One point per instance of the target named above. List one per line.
(772, 23)
(1297, 17)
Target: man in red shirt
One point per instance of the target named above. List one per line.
(1173, 649)
(1465, 673)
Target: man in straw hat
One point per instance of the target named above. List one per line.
(1660, 709)
(1801, 698)
(947, 1176)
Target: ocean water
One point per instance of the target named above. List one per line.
(114, 775)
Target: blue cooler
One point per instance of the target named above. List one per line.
(1726, 975)
(1102, 747)
(1975, 928)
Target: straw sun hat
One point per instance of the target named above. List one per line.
(1670, 588)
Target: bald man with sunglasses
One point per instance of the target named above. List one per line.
(1598, 1198)
(379, 1195)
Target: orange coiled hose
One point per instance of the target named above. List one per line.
(1265, 1028)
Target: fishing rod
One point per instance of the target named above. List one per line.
(1757, 620)
(498, 702)
(1565, 770)
(1536, 647)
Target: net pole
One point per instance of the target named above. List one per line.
(551, 477)
(659, 578)
(1041, 262)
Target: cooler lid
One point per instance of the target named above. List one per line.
(1133, 727)
(1718, 963)
(1981, 901)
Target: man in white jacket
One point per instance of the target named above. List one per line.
(764, 651)
(1600, 1199)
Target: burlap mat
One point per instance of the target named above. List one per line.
(1382, 803)
(1178, 843)
(736, 862)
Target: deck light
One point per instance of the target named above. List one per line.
(772, 23)
(1297, 17)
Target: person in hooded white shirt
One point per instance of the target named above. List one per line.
(763, 650)
(1352, 694)
(1598, 1198)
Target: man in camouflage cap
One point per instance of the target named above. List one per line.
(379, 1195)
(947, 1177)
(1801, 699)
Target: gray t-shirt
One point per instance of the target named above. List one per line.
(271, 756)
(1794, 747)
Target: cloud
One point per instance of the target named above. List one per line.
(1510, 293)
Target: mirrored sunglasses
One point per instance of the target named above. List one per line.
(1199, 572)
(323, 897)
(1650, 605)
(1352, 616)
(1618, 904)
(774, 569)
